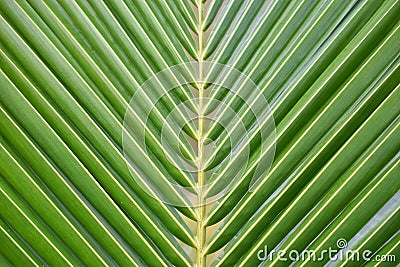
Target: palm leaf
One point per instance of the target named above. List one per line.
(102, 162)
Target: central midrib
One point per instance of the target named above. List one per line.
(201, 179)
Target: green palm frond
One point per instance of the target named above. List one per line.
(102, 163)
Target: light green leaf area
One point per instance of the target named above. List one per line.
(199, 133)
